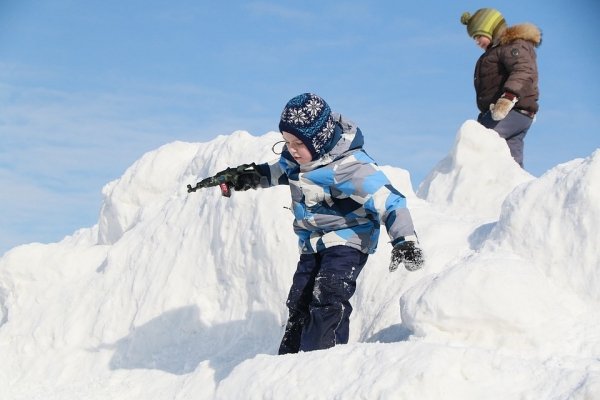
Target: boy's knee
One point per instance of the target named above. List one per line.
(331, 288)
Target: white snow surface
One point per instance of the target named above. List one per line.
(182, 296)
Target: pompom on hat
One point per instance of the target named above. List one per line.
(308, 117)
(485, 22)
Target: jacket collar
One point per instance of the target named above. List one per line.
(525, 31)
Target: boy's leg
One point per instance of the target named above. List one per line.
(330, 309)
(298, 300)
(513, 129)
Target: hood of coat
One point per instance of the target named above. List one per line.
(347, 139)
(526, 31)
(351, 138)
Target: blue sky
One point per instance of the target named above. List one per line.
(87, 87)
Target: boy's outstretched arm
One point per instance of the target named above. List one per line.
(272, 173)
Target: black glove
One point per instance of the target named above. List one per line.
(409, 254)
(246, 180)
(240, 178)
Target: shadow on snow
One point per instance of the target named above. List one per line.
(177, 342)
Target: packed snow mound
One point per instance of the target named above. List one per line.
(531, 276)
(149, 181)
(177, 296)
(555, 221)
(480, 163)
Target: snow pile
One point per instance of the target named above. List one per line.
(178, 296)
(481, 162)
(555, 222)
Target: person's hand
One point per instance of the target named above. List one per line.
(503, 106)
(246, 180)
(407, 253)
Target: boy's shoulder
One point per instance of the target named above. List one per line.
(350, 135)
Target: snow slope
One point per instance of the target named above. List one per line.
(179, 296)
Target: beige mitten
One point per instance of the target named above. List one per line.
(503, 106)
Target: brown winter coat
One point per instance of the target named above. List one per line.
(509, 64)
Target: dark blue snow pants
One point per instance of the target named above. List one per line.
(319, 299)
(513, 129)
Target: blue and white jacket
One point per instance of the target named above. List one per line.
(341, 198)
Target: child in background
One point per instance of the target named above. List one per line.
(506, 75)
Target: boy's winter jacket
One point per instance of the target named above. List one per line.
(509, 64)
(341, 198)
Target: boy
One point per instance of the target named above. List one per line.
(339, 199)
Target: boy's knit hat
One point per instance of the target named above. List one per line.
(308, 117)
(485, 22)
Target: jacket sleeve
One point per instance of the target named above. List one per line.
(519, 59)
(272, 173)
(365, 190)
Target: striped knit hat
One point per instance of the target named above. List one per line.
(485, 22)
(308, 117)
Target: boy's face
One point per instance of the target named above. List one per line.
(482, 41)
(297, 148)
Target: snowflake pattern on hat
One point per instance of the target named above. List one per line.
(313, 107)
(308, 117)
(297, 116)
(324, 136)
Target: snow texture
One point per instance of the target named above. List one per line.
(182, 296)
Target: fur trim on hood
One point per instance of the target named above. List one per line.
(524, 31)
